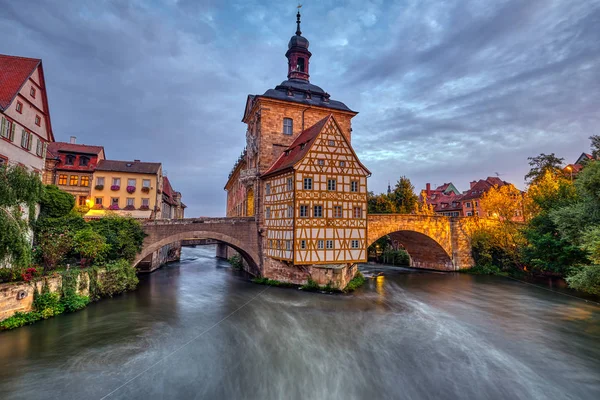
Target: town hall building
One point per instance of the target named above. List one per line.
(301, 179)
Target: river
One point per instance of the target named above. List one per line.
(199, 330)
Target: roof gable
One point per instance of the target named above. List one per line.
(60, 147)
(14, 72)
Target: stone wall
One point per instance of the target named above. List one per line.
(337, 276)
(166, 254)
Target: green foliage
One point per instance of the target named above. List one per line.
(74, 302)
(484, 270)
(595, 139)
(19, 191)
(396, 257)
(124, 236)
(590, 242)
(9, 274)
(53, 247)
(543, 164)
(355, 283)
(20, 319)
(380, 204)
(118, 277)
(48, 305)
(272, 282)
(311, 286)
(585, 279)
(55, 202)
(404, 197)
(236, 261)
(90, 245)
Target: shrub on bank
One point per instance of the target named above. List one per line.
(396, 257)
(236, 261)
(118, 277)
(355, 283)
(585, 279)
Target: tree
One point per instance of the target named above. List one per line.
(53, 247)
(542, 164)
(502, 202)
(380, 204)
(55, 202)
(595, 146)
(404, 197)
(90, 245)
(19, 193)
(424, 208)
(124, 235)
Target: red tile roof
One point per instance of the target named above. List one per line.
(55, 147)
(298, 149)
(14, 72)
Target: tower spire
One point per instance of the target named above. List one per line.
(298, 31)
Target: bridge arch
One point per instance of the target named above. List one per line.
(249, 255)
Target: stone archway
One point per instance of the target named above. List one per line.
(249, 255)
(424, 251)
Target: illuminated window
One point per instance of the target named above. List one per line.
(38, 120)
(303, 211)
(19, 107)
(308, 184)
(357, 212)
(290, 184)
(73, 180)
(85, 181)
(354, 244)
(329, 244)
(32, 92)
(318, 211)
(331, 184)
(288, 126)
(303, 244)
(337, 211)
(81, 200)
(320, 244)
(354, 186)
(62, 179)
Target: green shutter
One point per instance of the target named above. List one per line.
(23, 138)
(2, 127)
(12, 132)
(29, 140)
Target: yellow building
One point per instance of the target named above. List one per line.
(127, 188)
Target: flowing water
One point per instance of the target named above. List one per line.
(198, 330)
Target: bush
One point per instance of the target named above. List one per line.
(236, 261)
(485, 269)
(47, 304)
(311, 286)
(585, 279)
(124, 236)
(355, 283)
(90, 245)
(9, 274)
(272, 282)
(118, 277)
(74, 302)
(55, 202)
(396, 257)
(20, 319)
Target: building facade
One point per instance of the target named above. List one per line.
(25, 127)
(70, 166)
(171, 207)
(300, 178)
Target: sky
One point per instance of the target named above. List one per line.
(452, 90)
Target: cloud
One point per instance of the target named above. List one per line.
(453, 90)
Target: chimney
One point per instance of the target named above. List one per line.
(473, 183)
(428, 190)
(73, 140)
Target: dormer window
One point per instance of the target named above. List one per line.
(38, 120)
(70, 160)
(32, 92)
(19, 107)
(288, 126)
(300, 65)
(84, 161)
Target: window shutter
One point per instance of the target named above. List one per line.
(29, 140)
(2, 128)
(12, 132)
(38, 147)
(44, 150)
(23, 138)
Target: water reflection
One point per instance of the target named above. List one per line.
(197, 329)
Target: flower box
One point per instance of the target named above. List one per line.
(98, 206)
(145, 189)
(129, 208)
(114, 207)
(144, 208)
(115, 187)
(99, 187)
(130, 189)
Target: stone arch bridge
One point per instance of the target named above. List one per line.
(433, 242)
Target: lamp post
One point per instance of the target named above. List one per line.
(570, 169)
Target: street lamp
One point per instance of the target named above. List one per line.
(570, 169)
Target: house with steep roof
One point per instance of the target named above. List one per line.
(172, 207)
(25, 127)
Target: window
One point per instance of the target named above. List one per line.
(477, 213)
(100, 181)
(354, 244)
(39, 148)
(114, 201)
(320, 244)
(331, 142)
(81, 200)
(318, 211)
(85, 181)
(307, 183)
(357, 212)
(7, 129)
(131, 182)
(84, 161)
(303, 211)
(468, 204)
(26, 140)
(342, 163)
(288, 245)
(354, 186)
(337, 212)
(146, 183)
(469, 214)
(130, 202)
(476, 204)
(98, 201)
(146, 202)
(288, 126)
(3, 161)
(73, 180)
(290, 184)
(329, 244)
(38, 120)
(32, 92)
(19, 107)
(303, 244)
(70, 159)
(331, 183)
(290, 212)
(268, 188)
(300, 64)
(62, 179)
(268, 213)
(116, 181)
(321, 162)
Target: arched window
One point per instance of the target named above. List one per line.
(288, 126)
(300, 65)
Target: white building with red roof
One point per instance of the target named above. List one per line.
(25, 127)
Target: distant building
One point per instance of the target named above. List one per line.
(447, 200)
(172, 207)
(70, 166)
(25, 128)
(572, 170)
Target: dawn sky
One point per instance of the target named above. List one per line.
(447, 91)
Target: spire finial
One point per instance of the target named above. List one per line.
(298, 31)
